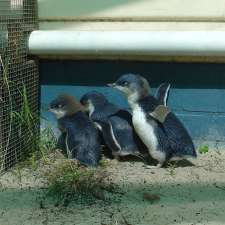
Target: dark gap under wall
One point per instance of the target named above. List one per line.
(197, 90)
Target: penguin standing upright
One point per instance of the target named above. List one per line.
(159, 129)
(115, 125)
(78, 132)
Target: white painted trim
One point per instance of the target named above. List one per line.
(125, 43)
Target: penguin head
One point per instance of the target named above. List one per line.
(64, 105)
(93, 99)
(133, 86)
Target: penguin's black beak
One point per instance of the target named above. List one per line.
(111, 85)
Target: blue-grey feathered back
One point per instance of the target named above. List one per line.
(103, 108)
(82, 138)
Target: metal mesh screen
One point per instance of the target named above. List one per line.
(18, 82)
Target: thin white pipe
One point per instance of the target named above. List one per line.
(112, 43)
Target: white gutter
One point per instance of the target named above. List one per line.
(113, 43)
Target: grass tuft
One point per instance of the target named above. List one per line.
(68, 181)
(171, 168)
(47, 141)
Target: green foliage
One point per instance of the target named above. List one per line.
(27, 123)
(47, 141)
(6, 83)
(22, 120)
(67, 181)
(203, 149)
(171, 168)
(103, 163)
(40, 143)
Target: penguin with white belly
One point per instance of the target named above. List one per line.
(160, 130)
(115, 125)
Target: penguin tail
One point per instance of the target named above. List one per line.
(190, 151)
(194, 153)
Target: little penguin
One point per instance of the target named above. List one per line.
(115, 125)
(79, 134)
(161, 131)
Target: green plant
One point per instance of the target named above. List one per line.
(47, 141)
(23, 118)
(27, 123)
(171, 168)
(6, 83)
(203, 149)
(67, 181)
(104, 163)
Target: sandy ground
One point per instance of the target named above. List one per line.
(184, 195)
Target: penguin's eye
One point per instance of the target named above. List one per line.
(125, 83)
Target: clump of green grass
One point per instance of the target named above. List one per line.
(47, 141)
(203, 149)
(171, 168)
(6, 85)
(104, 163)
(26, 121)
(27, 124)
(45, 146)
(68, 181)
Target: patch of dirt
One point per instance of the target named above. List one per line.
(181, 194)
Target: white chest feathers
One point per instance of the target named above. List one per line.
(146, 131)
(90, 108)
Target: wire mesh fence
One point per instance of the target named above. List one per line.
(18, 82)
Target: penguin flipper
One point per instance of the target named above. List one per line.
(61, 143)
(108, 135)
(162, 93)
(124, 134)
(126, 115)
(83, 144)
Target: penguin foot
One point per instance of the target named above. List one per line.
(117, 157)
(108, 160)
(159, 165)
(140, 156)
